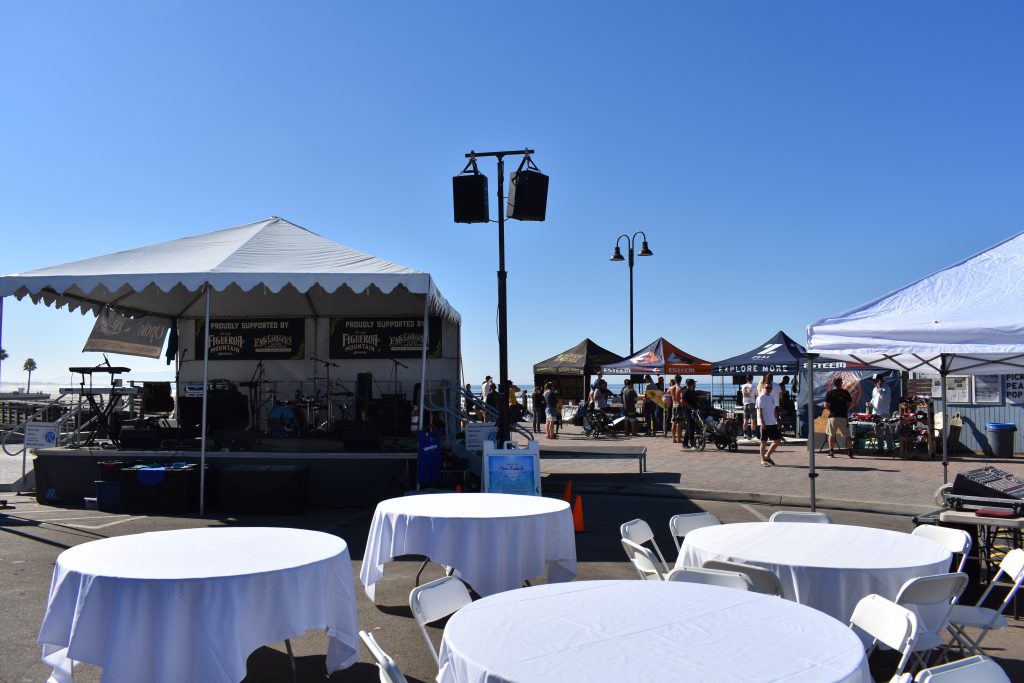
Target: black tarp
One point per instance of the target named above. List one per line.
(570, 371)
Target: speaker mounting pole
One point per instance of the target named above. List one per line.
(504, 428)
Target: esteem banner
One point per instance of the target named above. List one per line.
(115, 333)
(383, 337)
(254, 339)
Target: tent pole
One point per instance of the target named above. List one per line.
(1, 331)
(206, 375)
(811, 474)
(423, 357)
(943, 371)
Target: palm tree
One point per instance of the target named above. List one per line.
(29, 367)
(3, 353)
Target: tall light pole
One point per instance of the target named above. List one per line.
(617, 256)
(527, 201)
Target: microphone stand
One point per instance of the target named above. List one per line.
(329, 425)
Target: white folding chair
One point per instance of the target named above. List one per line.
(644, 561)
(763, 580)
(680, 525)
(931, 599)
(883, 621)
(795, 516)
(436, 600)
(711, 577)
(386, 666)
(638, 531)
(976, 669)
(985, 618)
(957, 541)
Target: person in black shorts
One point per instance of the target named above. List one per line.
(768, 420)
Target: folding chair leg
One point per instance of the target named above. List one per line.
(291, 658)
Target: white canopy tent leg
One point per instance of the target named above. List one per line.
(811, 474)
(943, 371)
(423, 357)
(206, 373)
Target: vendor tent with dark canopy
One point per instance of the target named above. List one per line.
(571, 369)
(660, 357)
(965, 319)
(779, 355)
(267, 268)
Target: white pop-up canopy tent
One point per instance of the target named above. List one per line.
(966, 319)
(271, 267)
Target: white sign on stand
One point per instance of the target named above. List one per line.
(40, 434)
(477, 433)
(513, 469)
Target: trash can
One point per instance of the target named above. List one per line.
(1000, 435)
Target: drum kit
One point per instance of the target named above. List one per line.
(310, 414)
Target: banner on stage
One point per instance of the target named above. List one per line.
(253, 339)
(116, 333)
(40, 434)
(384, 337)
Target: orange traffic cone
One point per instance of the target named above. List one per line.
(567, 493)
(577, 515)
(458, 488)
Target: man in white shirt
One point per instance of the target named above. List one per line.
(880, 398)
(749, 409)
(768, 421)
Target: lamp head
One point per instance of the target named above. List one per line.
(617, 256)
(644, 250)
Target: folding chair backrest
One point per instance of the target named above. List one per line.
(638, 531)
(976, 669)
(711, 577)
(797, 516)
(680, 525)
(957, 541)
(888, 623)
(1012, 565)
(763, 580)
(931, 598)
(436, 600)
(388, 669)
(644, 561)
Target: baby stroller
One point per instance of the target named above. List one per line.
(718, 429)
(596, 422)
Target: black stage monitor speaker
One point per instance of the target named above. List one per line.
(470, 198)
(224, 410)
(156, 397)
(528, 195)
(140, 439)
(360, 436)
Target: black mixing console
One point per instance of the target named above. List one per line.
(989, 482)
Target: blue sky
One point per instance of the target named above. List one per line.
(787, 160)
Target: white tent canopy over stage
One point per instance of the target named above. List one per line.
(965, 319)
(263, 269)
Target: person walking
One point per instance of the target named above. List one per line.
(838, 401)
(629, 399)
(538, 408)
(749, 408)
(550, 409)
(768, 421)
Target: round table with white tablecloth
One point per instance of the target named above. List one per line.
(494, 541)
(192, 604)
(648, 631)
(827, 566)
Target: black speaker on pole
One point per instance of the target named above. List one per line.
(527, 195)
(470, 198)
(364, 394)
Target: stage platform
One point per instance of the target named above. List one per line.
(337, 478)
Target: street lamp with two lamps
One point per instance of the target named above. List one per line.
(617, 256)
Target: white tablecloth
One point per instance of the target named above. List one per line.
(826, 566)
(192, 604)
(494, 540)
(646, 631)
